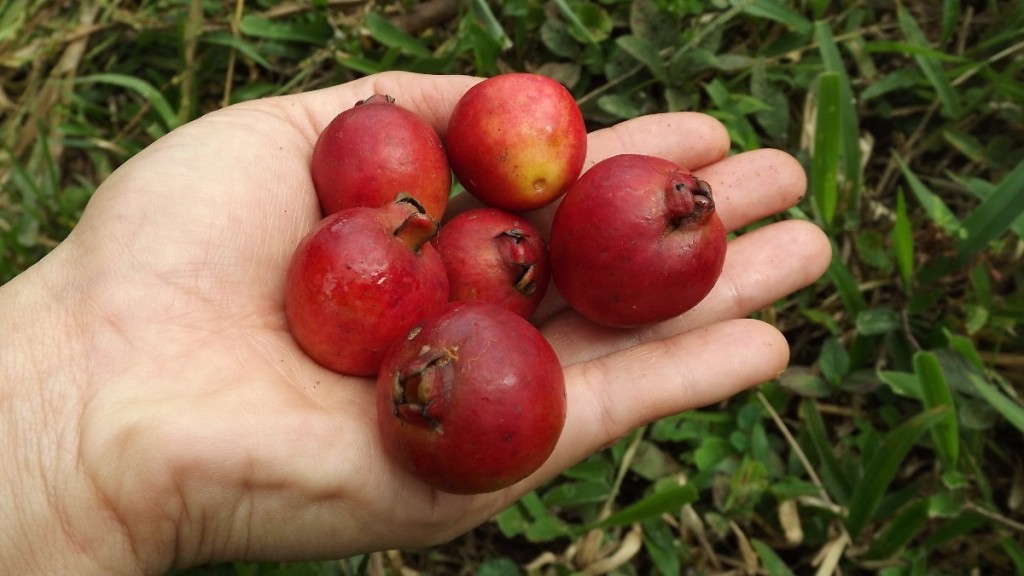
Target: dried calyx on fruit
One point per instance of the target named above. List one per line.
(472, 400)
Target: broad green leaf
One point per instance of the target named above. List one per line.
(545, 529)
(902, 383)
(511, 521)
(882, 468)
(935, 392)
(619, 105)
(667, 500)
(728, 109)
(383, 31)
(645, 53)
(834, 360)
(877, 321)
(832, 475)
(576, 27)
(485, 46)
(899, 532)
(771, 561)
(498, 567)
(555, 36)
(932, 204)
(735, 63)
(652, 463)
(712, 450)
(873, 250)
(1012, 411)
(805, 382)
(156, 100)
(650, 22)
(596, 468)
(576, 493)
(931, 68)
(661, 544)
(903, 242)
(774, 124)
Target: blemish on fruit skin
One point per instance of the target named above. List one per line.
(540, 184)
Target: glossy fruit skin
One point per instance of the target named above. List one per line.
(359, 280)
(494, 256)
(636, 240)
(472, 401)
(516, 141)
(376, 150)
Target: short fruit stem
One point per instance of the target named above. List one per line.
(418, 227)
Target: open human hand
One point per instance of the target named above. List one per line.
(156, 413)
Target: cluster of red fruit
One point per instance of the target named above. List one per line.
(470, 395)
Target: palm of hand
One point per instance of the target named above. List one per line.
(206, 434)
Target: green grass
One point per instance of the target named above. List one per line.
(887, 447)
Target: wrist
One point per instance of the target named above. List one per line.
(51, 521)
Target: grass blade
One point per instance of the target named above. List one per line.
(903, 242)
(777, 11)
(930, 67)
(1015, 552)
(774, 565)
(850, 130)
(314, 32)
(898, 533)
(846, 284)
(832, 475)
(882, 467)
(825, 161)
(490, 23)
(994, 216)
(239, 44)
(383, 31)
(935, 392)
(932, 204)
(669, 499)
(1010, 410)
(159, 104)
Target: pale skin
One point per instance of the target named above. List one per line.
(155, 412)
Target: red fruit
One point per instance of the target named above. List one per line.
(636, 240)
(376, 150)
(358, 282)
(516, 141)
(472, 401)
(495, 257)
